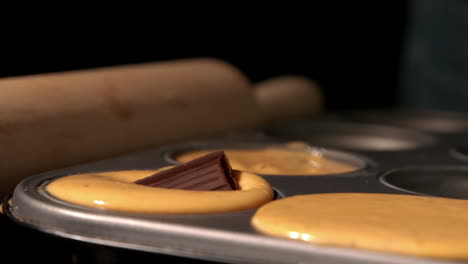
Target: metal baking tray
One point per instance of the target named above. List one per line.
(395, 154)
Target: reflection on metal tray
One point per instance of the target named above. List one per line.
(390, 159)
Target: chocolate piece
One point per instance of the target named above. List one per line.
(208, 173)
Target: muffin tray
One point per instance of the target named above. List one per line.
(397, 151)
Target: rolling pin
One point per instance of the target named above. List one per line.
(287, 96)
(54, 120)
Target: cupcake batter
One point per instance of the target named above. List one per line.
(292, 159)
(116, 191)
(405, 224)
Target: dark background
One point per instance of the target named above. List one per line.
(352, 50)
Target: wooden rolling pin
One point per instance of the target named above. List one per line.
(54, 120)
(287, 96)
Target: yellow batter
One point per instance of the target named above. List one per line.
(406, 224)
(116, 191)
(288, 160)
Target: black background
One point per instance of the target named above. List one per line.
(352, 50)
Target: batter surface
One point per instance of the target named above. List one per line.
(404, 224)
(288, 160)
(116, 191)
